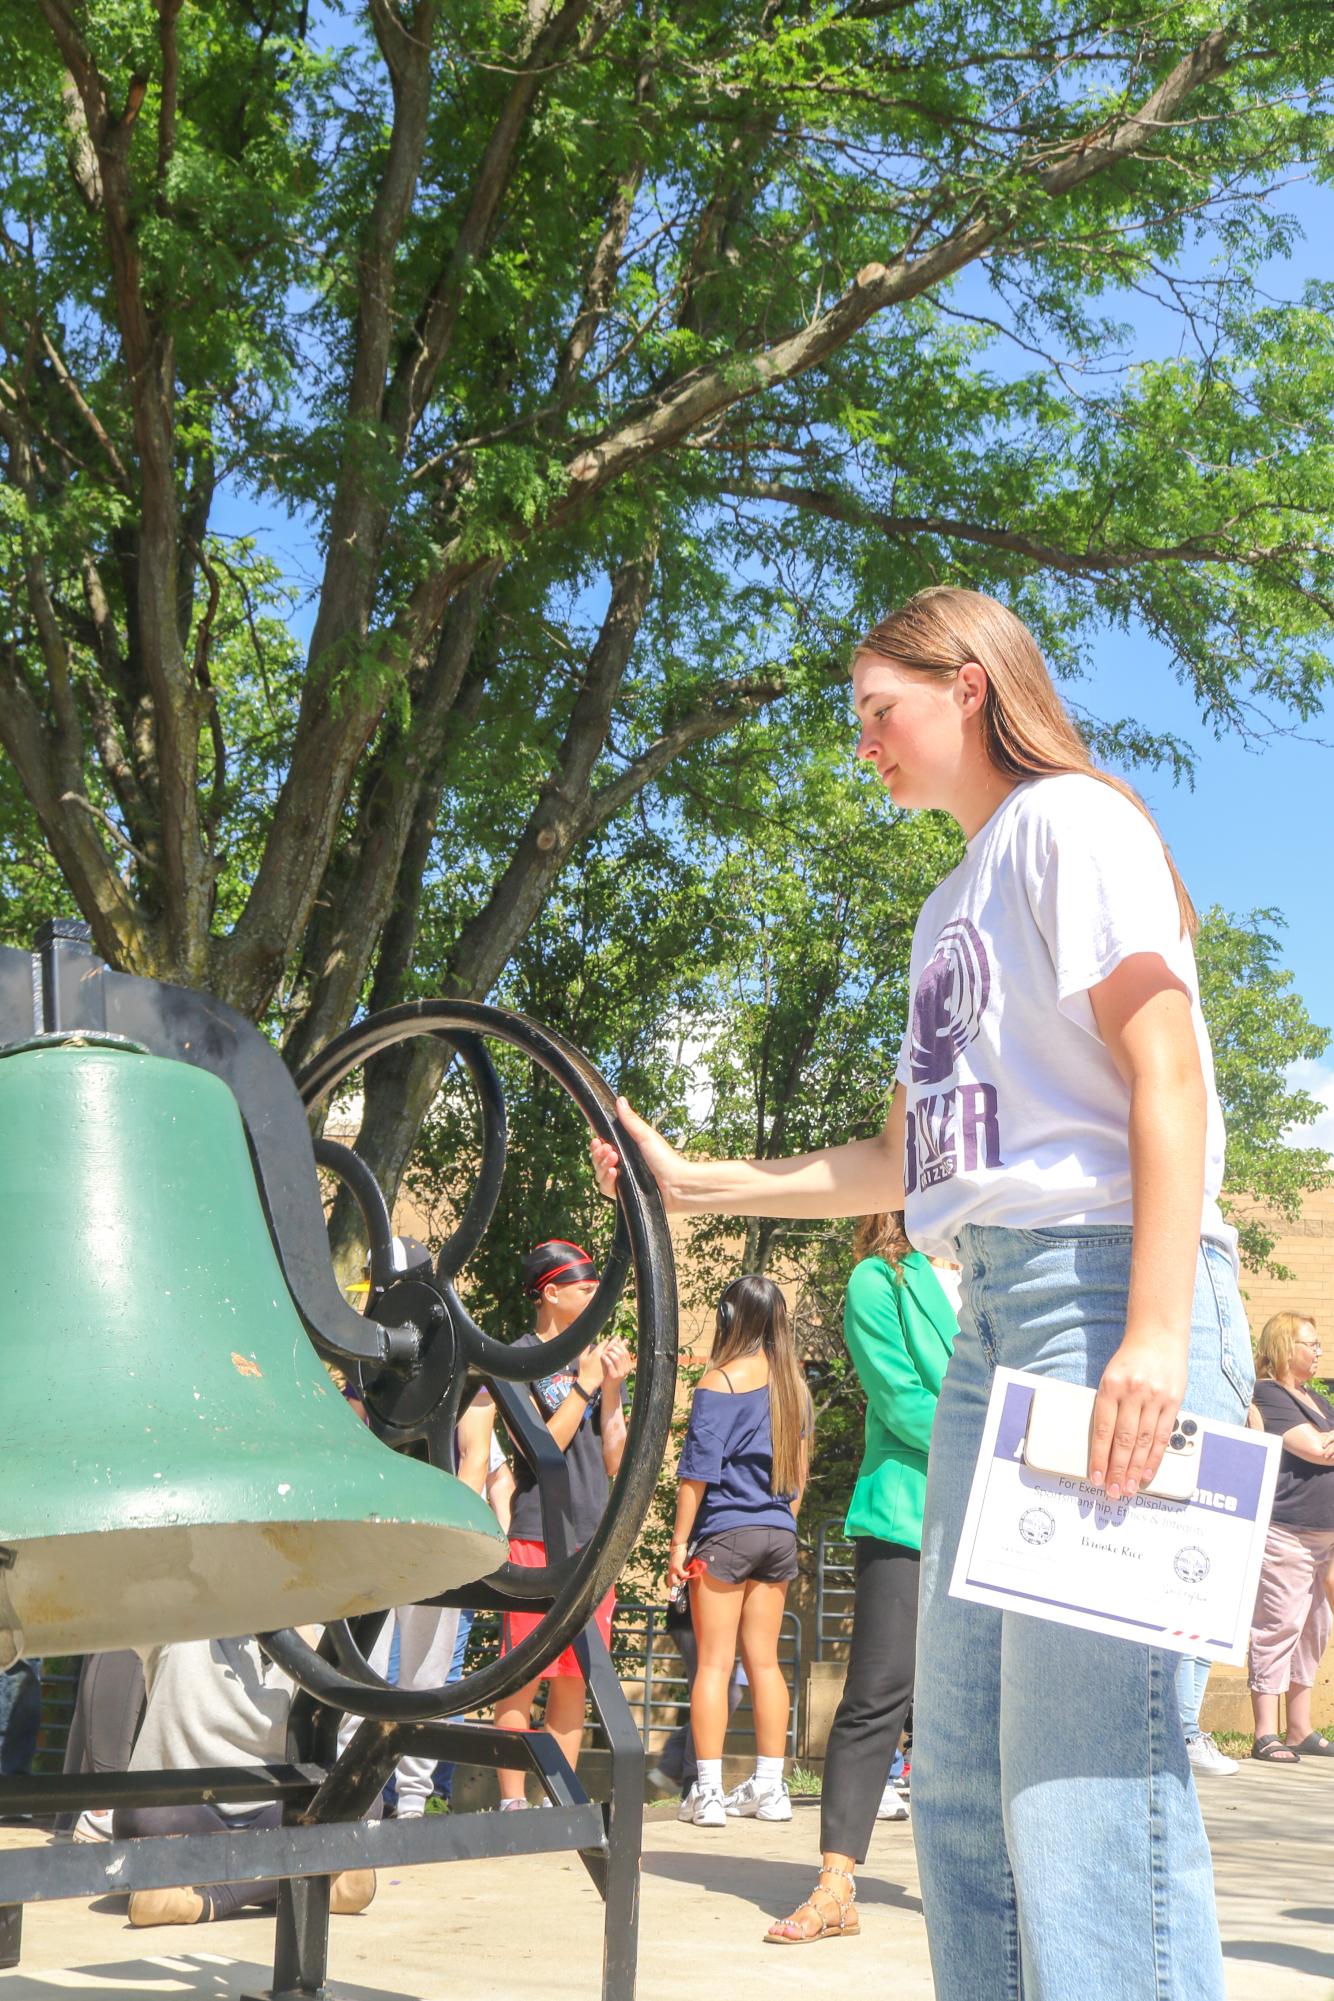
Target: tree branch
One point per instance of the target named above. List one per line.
(359, 513)
(559, 820)
(1096, 151)
(600, 282)
(1209, 546)
(104, 819)
(398, 940)
(168, 14)
(150, 377)
(703, 394)
(362, 880)
(339, 711)
(203, 642)
(67, 742)
(122, 741)
(400, 1087)
(552, 29)
(119, 928)
(731, 705)
(87, 412)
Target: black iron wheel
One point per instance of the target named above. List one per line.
(420, 1405)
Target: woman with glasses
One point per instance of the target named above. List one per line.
(1292, 1616)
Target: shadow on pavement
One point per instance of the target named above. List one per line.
(187, 1976)
(1268, 1952)
(772, 1887)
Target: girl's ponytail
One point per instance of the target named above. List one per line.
(753, 1316)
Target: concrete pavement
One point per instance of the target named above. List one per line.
(477, 1931)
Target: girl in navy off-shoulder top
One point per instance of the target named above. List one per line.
(742, 1471)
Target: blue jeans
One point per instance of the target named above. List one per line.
(444, 1771)
(1192, 1680)
(1058, 1834)
(20, 1717)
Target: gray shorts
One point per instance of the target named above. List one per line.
(737, 1555)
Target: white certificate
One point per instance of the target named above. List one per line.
(1178, 1574)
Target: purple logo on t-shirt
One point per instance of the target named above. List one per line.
(950, 1001)
(961, 1122)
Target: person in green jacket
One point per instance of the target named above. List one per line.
(900, 1330)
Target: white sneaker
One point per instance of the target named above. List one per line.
(747, 1802)
(93, 1824)
(1205, 1757)
(703, 1807)
(893, 1805)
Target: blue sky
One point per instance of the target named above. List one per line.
(1254, 834)
(1256, 830)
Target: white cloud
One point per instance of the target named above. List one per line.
(1317, 1078)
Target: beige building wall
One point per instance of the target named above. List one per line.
(1307, 1248)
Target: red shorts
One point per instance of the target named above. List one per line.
(516, 1626)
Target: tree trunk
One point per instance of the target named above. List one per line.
(361, 881)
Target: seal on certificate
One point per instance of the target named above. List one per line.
(1191, 1564)
(1037, 1526)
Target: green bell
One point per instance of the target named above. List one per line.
(177, 1463)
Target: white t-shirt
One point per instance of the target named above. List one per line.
(1017, 1116)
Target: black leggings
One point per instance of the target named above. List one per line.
(221, 1899)
(876, 1695)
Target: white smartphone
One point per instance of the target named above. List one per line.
(1060, 1421)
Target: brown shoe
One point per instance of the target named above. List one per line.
(351, 1892)
(169, 1907)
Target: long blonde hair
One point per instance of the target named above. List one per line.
(1026, 730)
(882, 1236)
(753, 1319)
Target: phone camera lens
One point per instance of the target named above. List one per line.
(1177, 1442)
(1189, 1426)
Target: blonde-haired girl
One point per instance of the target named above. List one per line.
(1055, 1128)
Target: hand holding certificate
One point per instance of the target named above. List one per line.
(1178, 1573)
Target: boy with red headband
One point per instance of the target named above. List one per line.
(580, 1405)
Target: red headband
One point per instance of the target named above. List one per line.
(581, 1257)
(548, 1277)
